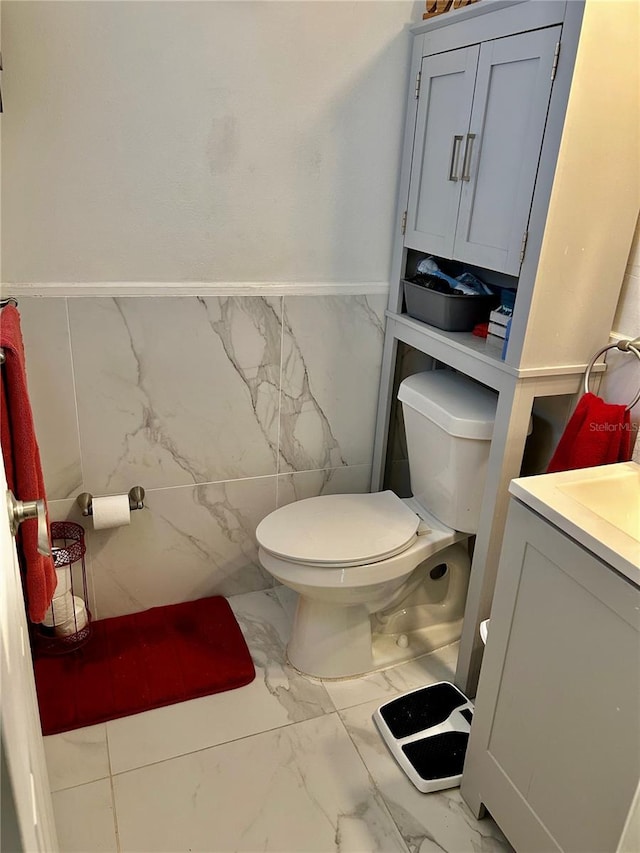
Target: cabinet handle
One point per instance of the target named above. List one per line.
(455, 151)
(466, 163)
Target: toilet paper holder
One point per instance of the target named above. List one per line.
(136, 500)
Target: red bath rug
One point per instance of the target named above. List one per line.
(142, 661)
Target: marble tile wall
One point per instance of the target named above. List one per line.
(222, 408)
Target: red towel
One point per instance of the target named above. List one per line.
(598, 433)
(22, 461)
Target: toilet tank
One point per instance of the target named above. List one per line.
(449, 422)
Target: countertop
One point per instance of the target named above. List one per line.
(597, 507)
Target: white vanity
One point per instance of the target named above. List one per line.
(554, 751)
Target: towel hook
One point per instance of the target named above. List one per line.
(624, 346)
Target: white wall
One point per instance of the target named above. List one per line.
(215, 142)
(627, 319)
(221, 142)
(202, 141)
(622, 379)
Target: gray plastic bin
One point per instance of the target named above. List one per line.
(450, 312)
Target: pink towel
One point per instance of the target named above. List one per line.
(598, 433)
(22, 461)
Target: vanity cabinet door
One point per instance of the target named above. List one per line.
(446, 93)
(553, 751)
(502, 148)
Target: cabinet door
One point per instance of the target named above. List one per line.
(446, 93)
(553, 751)
(502, 149)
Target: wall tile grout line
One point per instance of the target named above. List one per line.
(282, 310)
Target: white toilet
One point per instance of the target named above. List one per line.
(380, 579)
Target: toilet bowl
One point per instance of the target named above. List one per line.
(353, 616)
(380, 579)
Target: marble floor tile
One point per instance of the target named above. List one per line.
(270, 766)
(77, 757)
(437, 666)
(301, 789)
(429, 823)
(85, 818)
(277, 697)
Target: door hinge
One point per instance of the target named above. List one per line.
(418, 76)
(554, 67)
(523, 246)
(403, 224)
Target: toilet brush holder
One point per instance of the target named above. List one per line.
(67, 623)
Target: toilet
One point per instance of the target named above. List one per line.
(380, 579)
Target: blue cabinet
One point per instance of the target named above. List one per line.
(447, 82)
(481, 117)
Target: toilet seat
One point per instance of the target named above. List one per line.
(340, 531)
(328, 577)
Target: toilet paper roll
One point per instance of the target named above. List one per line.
(112, 511)
(77, 620)
(60, 611)
(64, 581)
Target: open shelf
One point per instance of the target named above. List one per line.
(471, 355)
(461, 350)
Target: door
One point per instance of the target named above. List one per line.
(502, 148)
(446, 94)
(27, 812)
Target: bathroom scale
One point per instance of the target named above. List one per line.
(427, 731)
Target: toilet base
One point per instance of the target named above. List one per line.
(386, 653)
(338, 643)
(331, 640)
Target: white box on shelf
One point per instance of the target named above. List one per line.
(500, 316)
(498, 330)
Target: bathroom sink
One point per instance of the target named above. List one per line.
(598, 507)
(615, 498)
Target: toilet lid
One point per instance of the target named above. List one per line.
(339, 530)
